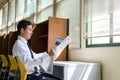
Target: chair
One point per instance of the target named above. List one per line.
(23, 69)
(13, 67)
(4, 67)
(0, 63)
(4, 61)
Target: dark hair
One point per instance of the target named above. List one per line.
(23, 24)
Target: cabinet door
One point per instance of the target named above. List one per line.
(57, 28)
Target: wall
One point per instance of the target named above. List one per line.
(108, 56)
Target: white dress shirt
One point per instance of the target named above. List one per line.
(21, 50)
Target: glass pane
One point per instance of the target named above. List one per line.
(5, 17)
(1, 19)
(101, 40)
(4, 31)
(44, 3)
(116, 21)
(20, 9)
(45, 9)
(58, 1)
(42, 16)
(116, 39)
(100, 28)
(31, 6)
(98, 21)
(11, 11)
(65, 10)
(10, 28)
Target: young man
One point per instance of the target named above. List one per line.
(35, 63)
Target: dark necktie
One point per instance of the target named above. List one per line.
(35, 68)
(30, 50)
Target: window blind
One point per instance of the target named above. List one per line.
(102, 21)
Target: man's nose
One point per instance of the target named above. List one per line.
(31, 33)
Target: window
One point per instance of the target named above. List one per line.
(102, 22)
(20, 5)
(70, 9)
(30, 7)
(116, 23)
(45, 9)
(11, 12)
(4, 19)
(0, 19)
(11, 17)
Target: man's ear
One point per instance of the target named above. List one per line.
(22, 30)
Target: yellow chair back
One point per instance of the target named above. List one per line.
(13, 62)
(4, 61)
(23, 69)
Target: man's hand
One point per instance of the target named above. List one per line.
(52, 52)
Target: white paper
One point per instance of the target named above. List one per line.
(60, 44)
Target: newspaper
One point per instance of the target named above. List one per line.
(60, 44)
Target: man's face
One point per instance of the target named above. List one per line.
(27, 33)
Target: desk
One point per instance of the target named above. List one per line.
(71, 70)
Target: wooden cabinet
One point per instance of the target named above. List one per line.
(7, 41)
(45, 33)
(5, 44)
(12, 38)
(1, 37)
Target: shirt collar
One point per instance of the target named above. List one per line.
(23, 39)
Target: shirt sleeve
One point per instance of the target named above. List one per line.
(47, 61)
(23, 54)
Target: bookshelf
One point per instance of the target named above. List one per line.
(45, 33)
